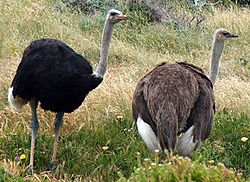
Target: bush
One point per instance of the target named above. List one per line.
(89, 7)
(181, 169)
(237, 2)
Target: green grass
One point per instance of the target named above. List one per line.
(5, 176)
(225, 143)
(80, 152)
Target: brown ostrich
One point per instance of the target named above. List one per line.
(54, 75)
(178, 100)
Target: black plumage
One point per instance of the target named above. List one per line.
(55, 75)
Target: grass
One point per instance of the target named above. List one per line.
(105, 117)
(225, 143)
(82, 155)
(84, 145)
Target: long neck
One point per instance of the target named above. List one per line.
(217, 49)
(106, 39)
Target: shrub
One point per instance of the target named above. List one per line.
(181, 169)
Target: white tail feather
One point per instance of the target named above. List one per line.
(15, 103)
(186, 145)
(148, 135)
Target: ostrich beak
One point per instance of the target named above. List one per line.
(121, 17)
(232, 36)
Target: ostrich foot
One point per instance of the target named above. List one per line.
(52, 165)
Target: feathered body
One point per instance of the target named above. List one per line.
(177, 100)
(55, 75)
(172, 98)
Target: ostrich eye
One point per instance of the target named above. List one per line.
(226, 34)
(113, 13)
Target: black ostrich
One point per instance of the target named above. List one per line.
(176, 99)
(53, 74)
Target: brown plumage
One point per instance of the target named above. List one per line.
(176, 99)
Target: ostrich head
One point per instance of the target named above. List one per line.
(114, 16)
(223, 34)
(220, 36)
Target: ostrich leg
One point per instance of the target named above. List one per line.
(34, 128)
(58, 124)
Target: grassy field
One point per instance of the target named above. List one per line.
(105, 117)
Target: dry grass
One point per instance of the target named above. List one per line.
(233, 94)
(18, 169)
(113, 98)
